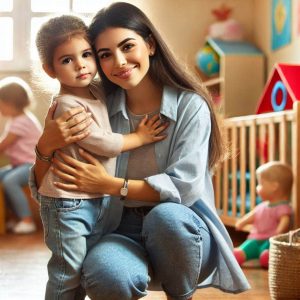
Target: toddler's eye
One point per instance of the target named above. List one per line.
(87, 54)
(66, 60)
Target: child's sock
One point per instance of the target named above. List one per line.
(264, 259)
(239, 255)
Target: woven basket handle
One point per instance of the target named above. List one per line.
(293, 234)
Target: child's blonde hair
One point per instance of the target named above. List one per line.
(15, 91)
(55, 32)
(279, 172)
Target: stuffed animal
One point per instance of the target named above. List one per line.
(227, 29)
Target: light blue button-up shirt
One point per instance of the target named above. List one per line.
(183, 173)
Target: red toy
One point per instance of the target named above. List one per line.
(281, 90)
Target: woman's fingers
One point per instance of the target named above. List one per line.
(64, 176)
(69, 114)
(79, 125)
(51, 111)
(88, 157)
(66, 186)
(69, 162)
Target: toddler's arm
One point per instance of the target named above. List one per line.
(245, 220)
(283, 225)
(7, 141)
(147, 132)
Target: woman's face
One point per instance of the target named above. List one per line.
(123, 56)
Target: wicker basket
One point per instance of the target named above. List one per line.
(284, 266)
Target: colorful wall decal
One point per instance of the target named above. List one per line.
(281, 23)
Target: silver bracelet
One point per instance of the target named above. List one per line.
(41, 156)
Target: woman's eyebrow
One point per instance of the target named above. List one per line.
(119, 45)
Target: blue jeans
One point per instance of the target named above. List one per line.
(171, 239)
(71, 228)
(13, 180)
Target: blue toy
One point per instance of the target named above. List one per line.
(208, 61)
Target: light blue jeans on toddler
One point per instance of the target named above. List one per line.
(13, 179)
(71, 228)
(171, 238)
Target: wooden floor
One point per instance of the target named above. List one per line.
(23, 273)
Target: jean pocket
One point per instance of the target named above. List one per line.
(65, 205)
(44, 212)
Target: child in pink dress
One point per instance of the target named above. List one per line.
(17, 142)
(269, 218)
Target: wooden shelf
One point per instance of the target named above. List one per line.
(241, 77)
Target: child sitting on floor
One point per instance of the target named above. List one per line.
(17, 142)
(269, 218)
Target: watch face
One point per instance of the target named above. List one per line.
(124, 191)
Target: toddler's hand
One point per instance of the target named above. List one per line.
(149, 130)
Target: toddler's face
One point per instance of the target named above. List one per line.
(74, 63)
(265, 188)
(6, 109)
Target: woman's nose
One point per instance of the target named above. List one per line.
(120, 60)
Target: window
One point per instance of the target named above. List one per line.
(20, 21)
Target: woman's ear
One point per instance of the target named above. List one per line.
(151, 44)
(49, 70)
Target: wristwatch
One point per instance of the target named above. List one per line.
(124, 190)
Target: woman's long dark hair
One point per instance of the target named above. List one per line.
(164, 69)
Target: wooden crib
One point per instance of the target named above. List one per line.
(253, 140)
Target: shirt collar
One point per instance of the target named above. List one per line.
(117, 103)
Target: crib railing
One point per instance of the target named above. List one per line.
(253, 140)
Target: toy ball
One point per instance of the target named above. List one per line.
(208, 61)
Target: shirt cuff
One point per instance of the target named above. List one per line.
(166, 188)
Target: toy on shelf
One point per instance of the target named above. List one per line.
(227, 29)
(281, 90)
(208, 61)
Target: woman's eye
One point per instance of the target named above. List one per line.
(127, 47)
(104, 55)
(87, 54)
(66, 60)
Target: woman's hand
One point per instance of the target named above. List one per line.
(88, 177)
(72, 126)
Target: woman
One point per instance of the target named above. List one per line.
(166, 216)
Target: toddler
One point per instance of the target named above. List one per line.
(17, 142)
(269, 218)
(74, 221)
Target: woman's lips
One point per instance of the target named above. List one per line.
(124, 74)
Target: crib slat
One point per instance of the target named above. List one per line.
(217, 187)
(296, 164)
(262, 143)
(255, 140)
(283, 139)
(234, 170)
(271, 141)
(252, 167)
(243, 141)
(225, 182)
